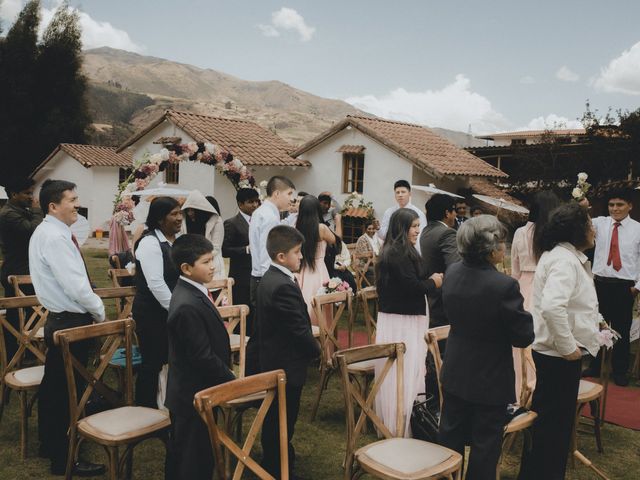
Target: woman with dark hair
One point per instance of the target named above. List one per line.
(487, 317)
(402, 313)
(523, 266)
(565, 320)
(313, 271)
(156, 275)
(202, 216)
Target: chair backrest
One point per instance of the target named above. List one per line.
(273, 383)
(337, 303)
(432, 337)
(25, 338)
(368, 296)
(32, 318)
(394, 354)
(361, 263)
(236, 315)
(223, 290)
(121, 277)
(116, 333)
(123, 296)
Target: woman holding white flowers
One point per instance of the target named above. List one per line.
(566, 321)
(402, 287)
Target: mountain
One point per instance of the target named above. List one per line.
(127, 90)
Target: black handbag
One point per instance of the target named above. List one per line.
(425, 418)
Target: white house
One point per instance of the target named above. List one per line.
(368, 155)
(531, 137)
(96, 171)
(262, 151)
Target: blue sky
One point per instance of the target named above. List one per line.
(488, 66)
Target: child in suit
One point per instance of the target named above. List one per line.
(285, 339)
(199, 357)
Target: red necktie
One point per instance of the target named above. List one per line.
(614, 249)
(211, 297)
(75, 242)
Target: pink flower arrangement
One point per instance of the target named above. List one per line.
(333, 285)
(607, 336)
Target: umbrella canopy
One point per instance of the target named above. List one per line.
(161, 191)
(432, 190)
(501, 204)
(81, 229)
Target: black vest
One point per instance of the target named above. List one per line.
(144, 298)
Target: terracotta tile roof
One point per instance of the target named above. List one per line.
(534, 133)
(418, 144)
(351, 149)
(484, 186)
(91, 156)
(356, 213)
(252, 144)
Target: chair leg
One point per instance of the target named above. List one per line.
(322, 384)
(596, 424)
(24, 423)
(113, 463)
(71, 455)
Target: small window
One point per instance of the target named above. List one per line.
(172, 173)
(519, 141)
(352, 172)
(123, 174)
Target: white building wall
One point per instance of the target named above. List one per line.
(105, 187)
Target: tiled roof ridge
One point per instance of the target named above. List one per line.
(171, 111)
(386, 120)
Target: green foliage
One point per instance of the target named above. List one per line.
(42, 89)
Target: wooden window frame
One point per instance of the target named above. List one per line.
(172, 173)
(353, 172)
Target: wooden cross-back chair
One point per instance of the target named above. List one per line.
(520, 423)
(273, 384)
(24, 381)
(360, 264)
(31, 319)
(121, 277)
(336, 303)
(236, 316)
(394, 457)
(222, 290)
(366, 297)
(125, 425)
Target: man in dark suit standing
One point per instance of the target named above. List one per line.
(199, 357)
(438, 248)
(284, 337)
(235, 247)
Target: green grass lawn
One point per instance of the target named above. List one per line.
(319, 445)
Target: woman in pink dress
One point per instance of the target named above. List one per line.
(313, 271)
(523, 267)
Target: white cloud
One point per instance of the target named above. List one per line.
(287, 19)
(455, 107)
(622, 75)
(94, 32)
(550, 122)
(565, 74)
(527, 80)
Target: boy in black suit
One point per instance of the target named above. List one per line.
(199, 356)
(284, 336)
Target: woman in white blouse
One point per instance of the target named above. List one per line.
(565, 319)
(368, 243)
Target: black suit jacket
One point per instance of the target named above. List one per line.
(234, 247)
(439, 251)
(199, 351)
(285, 339)
(487, 318)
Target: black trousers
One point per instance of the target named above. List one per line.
(253, 355)
(53, 401)
(151, 328)
(616, 306)
(242, 296)
(554, 400)
(271, 431)
(480, 426)
(189, 454)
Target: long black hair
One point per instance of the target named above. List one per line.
(397, 243)
(543, 204)
(308, 224)
(160, 207)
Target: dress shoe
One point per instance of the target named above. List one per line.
(620, 379)
(590, 372)
(80, 469)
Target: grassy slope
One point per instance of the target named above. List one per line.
(319, 445)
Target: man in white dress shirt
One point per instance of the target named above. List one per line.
(62, 285)
(616, 272)
(402, 192)
(280, 192)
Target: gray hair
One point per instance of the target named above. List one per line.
(479, 236)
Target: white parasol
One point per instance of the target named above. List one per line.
(502, 204)
(81, 229)
(160, 191)
(431, 189)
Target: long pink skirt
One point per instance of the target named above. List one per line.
(410, 330)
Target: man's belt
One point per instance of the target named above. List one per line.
(622, 281)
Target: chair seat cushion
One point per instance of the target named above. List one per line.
(25, 377)
(315, 330)
(363, 367)
(234, 341)
(406, 456)
(588, 391)
(124, 422)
